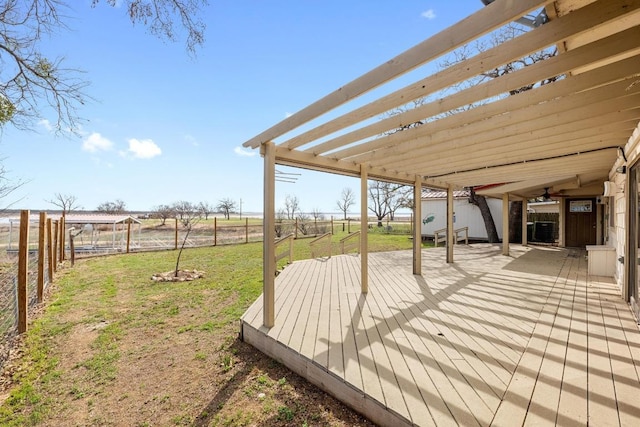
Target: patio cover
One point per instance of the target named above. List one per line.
(565, 135)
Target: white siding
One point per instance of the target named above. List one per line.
(617, 232)
(466, 215)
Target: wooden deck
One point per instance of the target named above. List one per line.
(528, 339)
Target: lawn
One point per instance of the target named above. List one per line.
(114, 348)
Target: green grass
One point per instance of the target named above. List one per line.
(104, 288)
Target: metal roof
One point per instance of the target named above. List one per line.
(566, 134)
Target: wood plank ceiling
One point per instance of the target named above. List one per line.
(563, 134)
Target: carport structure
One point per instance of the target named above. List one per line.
(565, 136)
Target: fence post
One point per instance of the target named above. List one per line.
(215, 231)
(61, 241)
(55, 246)
(349, 225)
(332, 224)
(41, 254)
(72, 247)
(295, 228)
(246, 230)
(23, 270)
(175, 243)
(128, 235)
(50, 250)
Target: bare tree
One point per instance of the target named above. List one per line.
(386, 198)
(205, 209)
(115, 207)
(186, 212)
(164, 212)
(291, 206)
(189, 226)
(346, 200)
(317, 214)
(66, 202)
(31, 82)
(226, 206)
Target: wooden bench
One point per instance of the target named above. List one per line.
(441, 235)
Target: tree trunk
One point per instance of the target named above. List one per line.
(515, 222)
(489, 223)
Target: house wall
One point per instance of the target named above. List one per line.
(466, 215)
(616, 216)
(544, 207)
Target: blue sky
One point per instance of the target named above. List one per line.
(166, 127)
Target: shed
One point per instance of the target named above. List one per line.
(465, 214)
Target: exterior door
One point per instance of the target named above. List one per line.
(634, 240)
(581, 222)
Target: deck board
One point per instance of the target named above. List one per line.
(528, 339)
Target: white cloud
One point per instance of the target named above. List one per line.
(143, 149)
(428, 14)
(241, 151)
(46, 124)
(191, 140)
(96, 142)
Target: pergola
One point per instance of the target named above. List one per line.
(565, 135)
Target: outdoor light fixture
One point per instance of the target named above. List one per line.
(621, 169)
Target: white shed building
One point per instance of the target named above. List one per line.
(434, 213)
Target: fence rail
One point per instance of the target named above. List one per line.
(352, 241)
(321, 246)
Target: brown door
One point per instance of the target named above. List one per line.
(581, 222)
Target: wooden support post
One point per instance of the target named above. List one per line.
(364, 230)
(332, 233)
(72, 247)
(417, 231)
(562, 218)
(215, 231)
(524, 222)
(175, 243)
(505, 224)
(50, 250)
(129, 235)
(63, 226)
(269, 232)
(55, 246)
(23, 270)
(450, 233)
(41, 254)
(246, 230)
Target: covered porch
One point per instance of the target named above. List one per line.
(525, 339)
